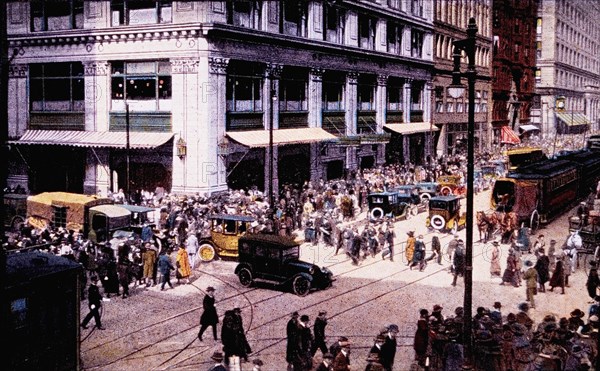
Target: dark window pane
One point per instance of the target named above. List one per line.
(164, 87)
(57, 89)
(291, 10)
(78, 89)
(35, 70)
(141, 88)
(57, 70)
(117, 88)
(117, 67)
(77, 69)
(36, 90)
(243, 89)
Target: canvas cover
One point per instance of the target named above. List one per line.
(40, 207)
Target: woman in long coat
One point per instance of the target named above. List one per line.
(421, 337)
(558, 276)
(495, 270)
(542, 266)
(183, 265)
(209, 316)
(510, 273)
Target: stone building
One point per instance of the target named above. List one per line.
(199, 84)
(513, 66)
(568, 67)
(451, 18)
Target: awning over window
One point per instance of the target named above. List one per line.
(99, 139)
(508, 136)
(260, 138)
(411, 127)
(573, 119)
(527, 128)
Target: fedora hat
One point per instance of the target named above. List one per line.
(217, 356)
(577, 313)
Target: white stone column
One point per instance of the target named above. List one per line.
(315, 98)
(381, 102)
(351, 96)
(407, 100)
(272, 76)
(427, 101)
(186, 94)
(97, 118)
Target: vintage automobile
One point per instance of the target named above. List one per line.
(225, 231)
(427, 190)
(451, 185)
(15, 211)
(445, 215)
(391, 204)
(276, 259)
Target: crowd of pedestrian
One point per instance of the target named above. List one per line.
(508, 342)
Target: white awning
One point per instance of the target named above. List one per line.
(99, 139)
(526, 128)
(260, 138)
(411, 127)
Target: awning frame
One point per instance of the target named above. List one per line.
(94, 139)
(410, 128)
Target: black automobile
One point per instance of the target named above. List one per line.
(276, 259)
(391, 204)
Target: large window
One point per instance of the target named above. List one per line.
(416, 44)
(417, 96)
(366, 97)
(132, 12)
(146, 86)
(395, 97)
(56, 15)
(244, 93)
(417, 7)
(334, 24)
(394, 38)
(366, 32)
(293, 17)
(56, 87)
(333, 95)
(244, 13)
(292, 95)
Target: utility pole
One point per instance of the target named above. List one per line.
(127, 154)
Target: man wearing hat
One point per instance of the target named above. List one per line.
(292, 331)
(388, 349)
(319, 332)
(303, 359)
(531, 279)
(325, 365)
(94, 302)
(335, 348)
(542, 266)
(496, 314)
(576, 321)
(218, 358)
(341, 362)
(257, 364)
(209, 316)
(592, 281)
(376, 348)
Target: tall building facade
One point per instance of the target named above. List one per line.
(513, 66)
(198, 86)
(568, 67)
(451, 18)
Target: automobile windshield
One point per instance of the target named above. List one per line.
(291, 253)
(437, 204)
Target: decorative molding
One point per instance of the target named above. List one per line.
(316, 74)
(184, 6)
(184, 65)
(218, 65)
(15, 10)
(217, 7)
(18, 71)
(382, 80)
(96, 68)
(93, 9)
(273, 70)
(408, 82)
(352, 78)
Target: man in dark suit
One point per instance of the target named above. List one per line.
(292, 330)
(209, 316)
(388, 349)
(319, 332)
(376, 348)
(94, 302)
(326, 365)
(336, 347)
(341, 362)
(303, 359)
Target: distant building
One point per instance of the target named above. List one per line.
(204, 81)
(513, 66)
(451, 18)
(568, 67)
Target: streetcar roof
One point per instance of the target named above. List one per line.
(241, 218)
(542, 169)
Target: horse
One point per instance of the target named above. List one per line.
(486, 224)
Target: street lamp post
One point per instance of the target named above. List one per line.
(456, 89)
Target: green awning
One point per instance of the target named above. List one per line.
(573, 119)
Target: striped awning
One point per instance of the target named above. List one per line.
(508, 136)
(411, 128)
(573, 119)
(98, 139)
(260, 138)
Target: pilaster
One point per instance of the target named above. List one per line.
(351, 102)
(97, 172)
(97, 95)
(18, 99)
(270, 95)
(214, 170)
(427, 101)
(406, 100)
(381, 102)
(315, 98)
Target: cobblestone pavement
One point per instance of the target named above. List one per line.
(157, 330)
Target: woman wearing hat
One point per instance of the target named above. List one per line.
(495, 270)
(209, 316)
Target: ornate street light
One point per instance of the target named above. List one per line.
(456, 89)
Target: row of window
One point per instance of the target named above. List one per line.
(571, 80)
(459, 105)
(458, 12)
(146, 86)
(444, 48)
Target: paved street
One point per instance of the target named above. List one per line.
(157, 330)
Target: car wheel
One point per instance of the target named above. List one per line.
(445, 191)
(207, 252)
(438, 222)
(245, 277)
(301, 286)
(377, 213)
(425, 197)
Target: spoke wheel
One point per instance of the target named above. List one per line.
(245, 277)
(301, 286)
(534, 221)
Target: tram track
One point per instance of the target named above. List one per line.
(243, 293)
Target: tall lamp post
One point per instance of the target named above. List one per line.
(456, 90)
